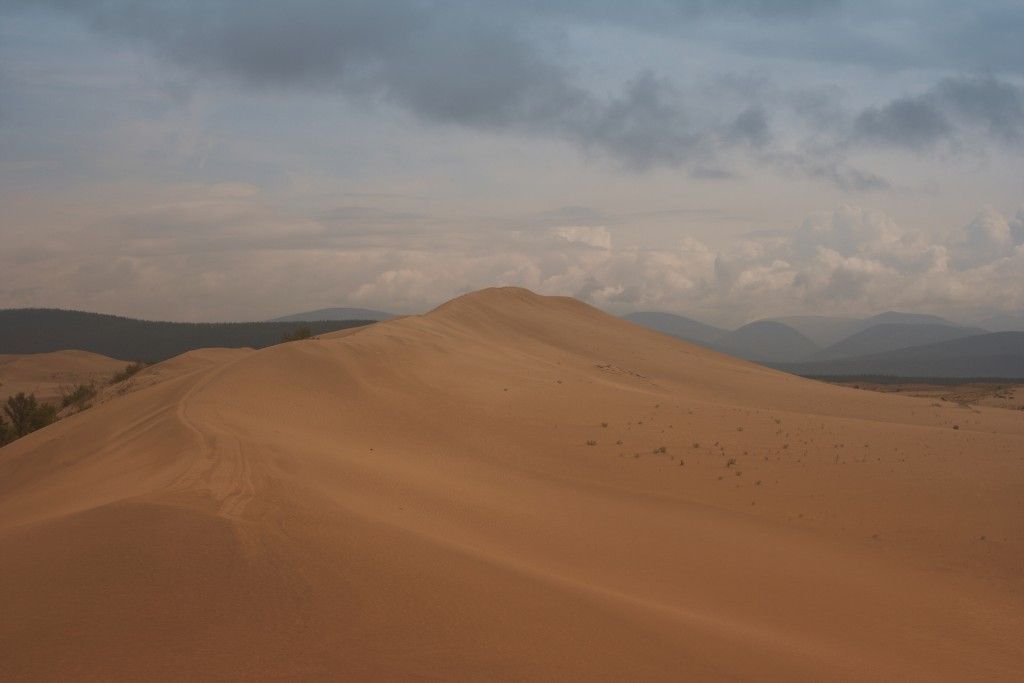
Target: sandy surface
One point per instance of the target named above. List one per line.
(510, 487)
(48, 375)
(1006, 395)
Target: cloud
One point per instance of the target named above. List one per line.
(906, 122)
(994, 105)
(227, 252)
(598, 238)
(506, 68)
(827, 165)
(945, 112)
(444, 62)
(987, 237)
(856, 261)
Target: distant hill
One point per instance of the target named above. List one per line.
(767, 341)
(991, 355)
(823, 330)
(677, 326)
(40, 330)
(827, 330)
(1009, 322)
(905, 318)
(334, 314)
(891, 336)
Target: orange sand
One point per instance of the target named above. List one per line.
(47, 375)
(418, 500)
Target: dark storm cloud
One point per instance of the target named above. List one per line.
(469, 64)
(945, 111)
(750, 127)
(994, 105)
(906, 122)
(501, 66)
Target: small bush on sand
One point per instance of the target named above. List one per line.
(128, 371)
(78, 397)
(26, 414)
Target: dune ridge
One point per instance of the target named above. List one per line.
(510, 487)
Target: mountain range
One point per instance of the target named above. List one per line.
(883, 344)
(891, 343)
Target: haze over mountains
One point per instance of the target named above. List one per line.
(994, 355)
(891, 336)
(1010, 322)
(510, 487)
(808, 344)
(678, 326)
(765, 341)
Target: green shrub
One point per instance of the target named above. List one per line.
(79, 397)
(45, 414)
(128, 371)
(27, 414)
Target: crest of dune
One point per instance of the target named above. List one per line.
(510, 487)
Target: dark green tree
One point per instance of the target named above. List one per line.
(45, 414)
(27, 414)
(301, 332)
(19, 410)
(6, 435)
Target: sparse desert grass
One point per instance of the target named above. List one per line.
(78, 397)
(129, 370)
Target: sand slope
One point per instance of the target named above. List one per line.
(418, 500)
(48, 374)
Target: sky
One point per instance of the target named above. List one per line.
(729, 160)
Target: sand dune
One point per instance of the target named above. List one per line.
(48, 374)
(511, 487)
